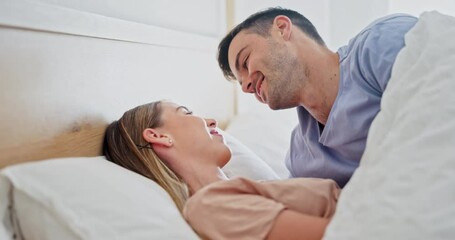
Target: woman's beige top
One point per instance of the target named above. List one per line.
(245, 209)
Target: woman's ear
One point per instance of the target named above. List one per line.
(284, 26)
(152, 136)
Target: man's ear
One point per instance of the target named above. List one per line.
(152, 136)
(283, 25)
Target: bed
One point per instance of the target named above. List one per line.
(55, 184)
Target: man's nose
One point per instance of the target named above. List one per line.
(247, 85)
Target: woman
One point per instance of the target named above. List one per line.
(183, 153)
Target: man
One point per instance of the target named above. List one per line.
(278, 56)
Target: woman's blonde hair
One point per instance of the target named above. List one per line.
(125, 146)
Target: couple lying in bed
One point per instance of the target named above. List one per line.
(183, 153)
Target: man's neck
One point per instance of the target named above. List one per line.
(326, 90)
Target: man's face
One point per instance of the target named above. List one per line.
(265, 67)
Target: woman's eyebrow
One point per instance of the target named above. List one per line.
(182, 107)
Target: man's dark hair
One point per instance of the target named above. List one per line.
(260, 24)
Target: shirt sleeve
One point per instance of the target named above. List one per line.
(381, 45)
(245, 209)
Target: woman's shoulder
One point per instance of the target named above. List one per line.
(230, 209)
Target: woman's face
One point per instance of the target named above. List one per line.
(193, 135)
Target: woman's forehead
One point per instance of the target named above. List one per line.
(173, 107)
(169, 104)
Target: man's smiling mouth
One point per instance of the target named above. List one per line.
(258, 89)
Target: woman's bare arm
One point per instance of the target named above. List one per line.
(294, 225)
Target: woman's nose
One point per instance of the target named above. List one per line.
(211, 122)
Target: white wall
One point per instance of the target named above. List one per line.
(348, 17)
(63, 69)
(416, 7)
(206, 17)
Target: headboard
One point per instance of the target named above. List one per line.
(65, 74)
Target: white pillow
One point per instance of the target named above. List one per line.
(267, 133)
(404, 187)
(89, 198)
(6, 231)
(245, 163)
(92, 198)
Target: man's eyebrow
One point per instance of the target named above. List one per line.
(237, 58)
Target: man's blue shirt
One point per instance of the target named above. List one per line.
(334, 150)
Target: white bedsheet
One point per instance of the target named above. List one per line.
(405, 185)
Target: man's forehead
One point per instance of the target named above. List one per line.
(240, 39)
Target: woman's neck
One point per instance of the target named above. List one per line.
(201, 176)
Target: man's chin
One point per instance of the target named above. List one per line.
(278, 106)
(274, 106)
